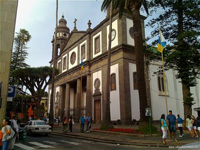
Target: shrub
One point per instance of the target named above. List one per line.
(106, 126)
(146, 130)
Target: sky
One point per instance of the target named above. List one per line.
(38, 17)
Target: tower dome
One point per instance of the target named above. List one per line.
(62, 21)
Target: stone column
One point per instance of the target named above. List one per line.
(67, 100)
(89, 96)
(62, 101)
(78, 100)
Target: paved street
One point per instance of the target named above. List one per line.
(62, 143)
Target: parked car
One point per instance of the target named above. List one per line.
(37, 126)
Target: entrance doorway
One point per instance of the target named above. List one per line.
(97, 111)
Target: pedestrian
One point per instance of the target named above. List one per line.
(65, 125)
(164, 128)
(189, 125)
(180, 125)
(198, 124)
(71, 122)
(82, 120)
(88, 119)
(194, 129)
(6, 130)
(15, 127)
(1, 136)
(172, 125)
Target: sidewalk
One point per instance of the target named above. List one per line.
(122, 138)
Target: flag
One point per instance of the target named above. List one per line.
(82, 65)
(161, 42)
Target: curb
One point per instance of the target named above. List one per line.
(128, 134)
(109, 141)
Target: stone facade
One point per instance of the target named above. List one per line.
(8, 11)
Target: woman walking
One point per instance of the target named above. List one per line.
(6, 130)
(194, 126)
(164, 128)
(189, 125)
(70, 123)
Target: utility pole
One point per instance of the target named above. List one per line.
(54, 67)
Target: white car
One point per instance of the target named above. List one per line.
(37, 126)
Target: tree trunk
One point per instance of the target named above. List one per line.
(139, 52)
(187, 107)
(106, 118)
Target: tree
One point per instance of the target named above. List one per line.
(35, 80)
(180, 24)
(133, 7)
(20, 52)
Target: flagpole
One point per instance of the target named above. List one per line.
(164, 81)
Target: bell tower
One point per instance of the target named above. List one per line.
(63, 33)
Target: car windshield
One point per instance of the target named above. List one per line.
(40, 123)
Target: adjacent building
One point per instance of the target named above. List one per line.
(8, 12)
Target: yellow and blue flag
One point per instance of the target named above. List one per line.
(82, 67)
(161, 42)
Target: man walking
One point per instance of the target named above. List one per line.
(15, 127)
(88, 119)
(82, 120)
(172, 125)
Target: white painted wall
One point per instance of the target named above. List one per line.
(174, 90)
(115, 96)
(115, 41)
(95, 75)
(63, 70)
(196, 95)
(93, 41)
(135, 105)
(76, 60)
(71, 98)
(130, 40)
(85, 42)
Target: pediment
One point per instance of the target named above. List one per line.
(75, 36)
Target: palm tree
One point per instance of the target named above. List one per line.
(133, 7)
(106, 118)
(54, 68)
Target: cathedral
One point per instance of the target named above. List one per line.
(82, 91)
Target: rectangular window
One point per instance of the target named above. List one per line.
(64, 63)
(135, 83)
(83, 52)
(59, 67)
(97, 44)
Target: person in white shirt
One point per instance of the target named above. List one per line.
(6, 130)
(16, 129)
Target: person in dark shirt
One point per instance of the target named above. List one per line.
(172, 125)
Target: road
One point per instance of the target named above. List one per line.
(53, 142)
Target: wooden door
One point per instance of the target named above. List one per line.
(97, 111)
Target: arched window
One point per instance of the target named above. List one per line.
(161, 82)
(113, 82)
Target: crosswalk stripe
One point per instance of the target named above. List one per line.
(51, 142)
(73, 143)
(24, 146)
(41, 145)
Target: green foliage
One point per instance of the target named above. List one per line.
(35, 80)
(180, 25)
(146, 130)
(106, 126)
(20, 53)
